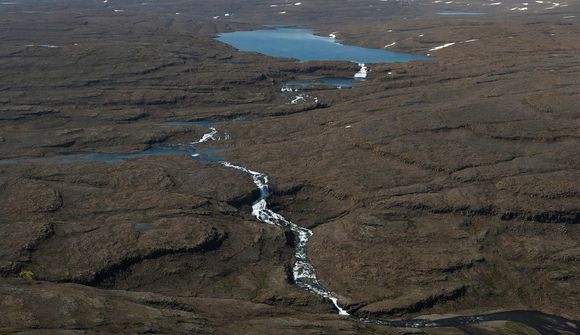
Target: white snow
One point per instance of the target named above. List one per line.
(442, 46)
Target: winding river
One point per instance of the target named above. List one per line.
(304, 273)
(305, 276)
(304, 45)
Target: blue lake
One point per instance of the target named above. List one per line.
(303, 45)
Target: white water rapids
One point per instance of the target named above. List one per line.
(363, 72)
(212, 135)
(303, 271)
(305, 276)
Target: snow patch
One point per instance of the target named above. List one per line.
(442, 46)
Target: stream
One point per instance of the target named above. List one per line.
(303, 271)
(305, 276)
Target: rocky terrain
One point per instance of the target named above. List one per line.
(441, 187)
